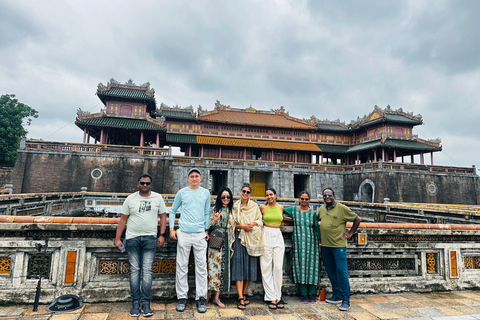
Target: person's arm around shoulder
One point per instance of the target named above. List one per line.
(287, 214)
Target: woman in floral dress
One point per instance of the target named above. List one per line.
(219, 259)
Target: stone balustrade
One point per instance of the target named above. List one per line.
(80, 259)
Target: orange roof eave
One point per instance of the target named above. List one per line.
(261, 144)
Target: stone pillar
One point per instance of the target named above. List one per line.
(431, 158)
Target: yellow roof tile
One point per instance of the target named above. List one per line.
(255, 118)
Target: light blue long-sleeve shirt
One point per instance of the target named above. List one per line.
(194, 212)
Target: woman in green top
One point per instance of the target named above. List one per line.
(306, 237)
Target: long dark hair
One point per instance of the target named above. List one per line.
(218, 201)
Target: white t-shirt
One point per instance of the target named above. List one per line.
(143, 214)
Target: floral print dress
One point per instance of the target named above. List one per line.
(219, 259)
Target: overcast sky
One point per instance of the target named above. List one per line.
(331, 59)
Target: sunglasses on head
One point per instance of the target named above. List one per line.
(304, 199)
(145, 183)
(226, 197)
(327, 195)
(247, 191)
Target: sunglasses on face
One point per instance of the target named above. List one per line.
(145, 183)
(305, 199)
(327, 195)
(246, 191)
(226, 197)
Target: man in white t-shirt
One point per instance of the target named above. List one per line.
(141, 209)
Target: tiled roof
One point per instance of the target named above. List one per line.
(126, 93)
(177, 114)
(397, 144)
(181, 138)
(262, 144)
(331, 148)
(121, 123)
(261, 119)
(331, 128)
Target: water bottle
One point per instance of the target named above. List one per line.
(121, 248)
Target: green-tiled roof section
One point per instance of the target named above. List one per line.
(172, 114)
(331, 128)
(331, 148)
(401, 118)
(121, 123)
(126, 93)
(397, 144)
(181, 138)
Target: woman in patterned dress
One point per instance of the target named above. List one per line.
(306, 237)
(219, 259)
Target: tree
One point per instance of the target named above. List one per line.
(14, 116)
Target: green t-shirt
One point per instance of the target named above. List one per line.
(143, 214)
(334, 224)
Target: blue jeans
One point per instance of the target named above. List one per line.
(141, 251)
(335, 262)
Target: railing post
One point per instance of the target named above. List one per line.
(9, 188)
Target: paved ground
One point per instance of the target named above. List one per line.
(449, 306)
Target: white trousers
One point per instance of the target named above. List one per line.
(271, 263)
(185, 242)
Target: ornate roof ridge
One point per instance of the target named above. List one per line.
(163, 106)
(315, 121)
(129, 85)
(382, 113)
(280, 111)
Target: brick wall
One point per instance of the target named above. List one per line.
(5, 174)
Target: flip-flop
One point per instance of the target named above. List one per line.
(218, 303)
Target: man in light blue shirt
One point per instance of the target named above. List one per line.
(194, 202)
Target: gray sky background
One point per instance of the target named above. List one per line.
(331, 59)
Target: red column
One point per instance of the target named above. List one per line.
(295, 159)
(321, 157)
(375, 155)
(273, 155)
(219, 152)
(101, 136)
(421, 158)
(158, 139)
(84, 134)
(383, 154)
(189, 150)
(244, 153)
(394, 155)
(141, 139)
(358, 158)
(201, 151)
(431, 158)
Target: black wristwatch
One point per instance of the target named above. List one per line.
(162, 235)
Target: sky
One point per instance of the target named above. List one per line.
(331, 59)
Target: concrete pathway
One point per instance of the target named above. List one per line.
(458, 305)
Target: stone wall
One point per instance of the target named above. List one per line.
(411, 186)
(45, 171)
(5, 175)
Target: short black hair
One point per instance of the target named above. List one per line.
(145, 175)
(333, 192)
(304, 192)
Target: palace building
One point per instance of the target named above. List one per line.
(130, 117)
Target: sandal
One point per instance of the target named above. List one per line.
(272, 305)
(246, 300)
(240, 304)
(218, 303)
(280, 305)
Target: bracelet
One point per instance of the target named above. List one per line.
(161, 235)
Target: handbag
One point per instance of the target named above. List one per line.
(217, 237)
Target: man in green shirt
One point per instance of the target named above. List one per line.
(333, 236)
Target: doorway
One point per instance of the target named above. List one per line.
(219, 178)
(300, 183)
(258, 182)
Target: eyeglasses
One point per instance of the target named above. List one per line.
(226, 197)
(304, 199)
(247, 191)
(327, 195)
(144, 183)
